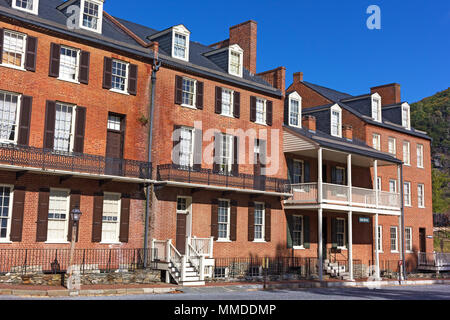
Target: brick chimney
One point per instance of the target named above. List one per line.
(309, 123)
(244, 35)
(298, 77)
(347, 132)
(390, 93)
(276, 78)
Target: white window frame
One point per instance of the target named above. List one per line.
(407, 196)
(263, 226)
(421, 193)
(18, 110)
(407, 156)
(376, 141)
(396, 238)
(376, 98)
(66, 225)
(35, 4)
(77, 65)
(408, 241)
(345, 233)
(380, 239)
(302, 165)
(119, 207)
(420, 156)
(395, 186)
(127, 70)
(181, 30)
(100, 15)
(231, 92)
(72, 129)
(295, 97)
(264, 111)
(302, 232)
(392, 142)
(338, 110)
(194, 99)
(379, 181)
(235, 49)
(7, 239)
(24, 49)
(191, 155)
(227, 239)
(406, 123)
(229, 157)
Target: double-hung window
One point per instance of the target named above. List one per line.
(407, 193)
(111, 218)
(189, 92)
(236, 63)
(58, 215)
(224, 220)
(91, 15)
(226, 157)
(336, 127)
(376, 109)
(298, 172)
(408, 239)
(379, 184)
(420, 155)
(406, 123)
(340, 176)
(31, 6)
(393, 186)
(227, 102)
(421, 195)
(180, 45)
(260, 111)
(64, 128)
(406, 153)
(380, 238)
(119, 76)
(69, 63)
(294, 113)
(376, 143)
(186, 147)
(5, 212)
(394, 242)
(340, 232)
(14, 44)
(259, 221)
(297, 231)
(9, 111)
(392, 146)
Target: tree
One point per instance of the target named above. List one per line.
(441, 202)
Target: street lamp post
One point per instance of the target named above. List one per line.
(75, 215)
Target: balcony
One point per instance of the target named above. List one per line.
(307, 193)
(206, 177)
(23, 158)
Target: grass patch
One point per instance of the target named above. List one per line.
(437, 241)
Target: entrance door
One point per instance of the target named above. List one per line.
(422, 240)
(259, 178)
(183, 223)
(114, 144)
(324, 238)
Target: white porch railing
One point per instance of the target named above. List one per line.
(389, 200)
(434, 259)
(364, 197)
(304, 192)
(335, 193)
(204, 246)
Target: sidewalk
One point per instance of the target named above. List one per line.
(129, 289)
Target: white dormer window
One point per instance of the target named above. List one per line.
(376, 107)
(180, 43)
(30, 6)
(235, 60)
(91, 15)
(295, 110)
(406, 119)
(336, 121)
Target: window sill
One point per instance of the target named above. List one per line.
(295, 126)
(261, 123)
(69, 80)
(394, 251)
(259, 241)
(408, 165)
(56, 242)
(120, 92)
(5, 242)
(188, 106)
(13, 67)
(227, 115)
(298, 248)
(109, 243)
(223, 240)
(421, 207)
(342, 248)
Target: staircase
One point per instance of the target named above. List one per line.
(333, 269)
(191, 276)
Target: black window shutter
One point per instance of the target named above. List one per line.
(233, 220)
(199, 97)
(31, 53)
(289, 230)
(253, 109)
(42, 222)
(217, 151)
(333, 232)
(55, 54)
(306, 233)
(107, 73)
(268, 223)
(85, 58)
(80, 124)
(132, 79)
(25, 121)
(235, 166)
(333, 175)
(237, 105)
(176, 142)
(218, 106)
(49, 131)
(290, 166)
(307, 177)
(124, 219)
(286, 111)
(198, 149)
(215, 219)
(269, 115)
(1, 45)
(75, 200)
(17, 215)
(251, 221)
(97, 218)
(178, 90)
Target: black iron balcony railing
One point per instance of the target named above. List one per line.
(177, 173)
(46, 159)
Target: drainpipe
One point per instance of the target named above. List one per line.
(403, 223)
(149, 187)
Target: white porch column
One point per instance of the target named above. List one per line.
(349, 178)
(375, 180)
(377, 254)
(319, 243)
(319, 176)
(401, 238)
(350, 244)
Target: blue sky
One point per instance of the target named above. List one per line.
(327, 40)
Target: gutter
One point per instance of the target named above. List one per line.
(403, 223)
